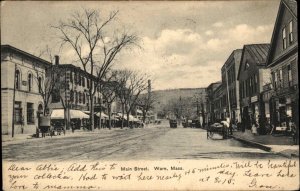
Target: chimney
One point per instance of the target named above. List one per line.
(56, 60)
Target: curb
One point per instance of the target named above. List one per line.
(252, 143)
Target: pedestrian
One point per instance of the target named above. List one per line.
(293, 132)
(22, 124)
(254, 128)
(73, 126)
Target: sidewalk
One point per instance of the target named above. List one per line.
(7, 139)
(279, 144)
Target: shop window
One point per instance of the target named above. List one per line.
(284, 38)
(30, 113)
(18, 112)
(17, 79)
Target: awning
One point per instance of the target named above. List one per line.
(139, 111)
(74, 114)
(78, 114)
(103, 115)
(131, 118)
(57, 114)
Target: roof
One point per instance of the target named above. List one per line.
(232, 56)
(259, 53)
(291, 5)
(9, 48)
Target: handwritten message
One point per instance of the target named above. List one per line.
(149, 175)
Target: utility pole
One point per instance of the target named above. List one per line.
(227, 89)
(14, 99)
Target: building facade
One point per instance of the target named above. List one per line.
(252, 75)
(21, 75)
(229, 81)
(283, 63)
(210, 117)
(220, 103)
(72, 94)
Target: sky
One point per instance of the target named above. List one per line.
(183, 44)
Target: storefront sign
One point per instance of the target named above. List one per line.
(254, 99)
(245, 102)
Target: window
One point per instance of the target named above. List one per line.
(275, 80)
(30, 113)
(76, 97)
(79, 80)
(83, 98)
(250, 85)
(79, 95)
(55, 96)
(88, 83)
(17, 79)
(291, 38)
(72, 96)
(18, 112)
(284, 38)
(280, 78)
(71, 77)
(83, 81)
(40, 84)
(247, 65)
(29, 82)
(289, 75)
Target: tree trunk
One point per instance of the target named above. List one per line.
(100, 122)
(127, 114)
(92, 113)
(66, 117)
(122, 125)
(109, 115)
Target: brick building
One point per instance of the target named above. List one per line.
(229, 81)
(220, 103)
(21, 75)
(252, 75)
(210, 117)
(283, 62)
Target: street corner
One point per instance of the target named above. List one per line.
(289, 151)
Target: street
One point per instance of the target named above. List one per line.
(149, 143)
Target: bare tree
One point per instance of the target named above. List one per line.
(109, 89)
(122, 78)
(88, 35)
(146, 103)
(132, 85)
(51, 83)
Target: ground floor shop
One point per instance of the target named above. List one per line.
(19, 112)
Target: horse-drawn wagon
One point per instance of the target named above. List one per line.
(221, 128)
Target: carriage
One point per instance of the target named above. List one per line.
(173, 123)
(221, 128)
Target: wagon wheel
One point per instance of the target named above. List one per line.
(210, 133)
(224, 133)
